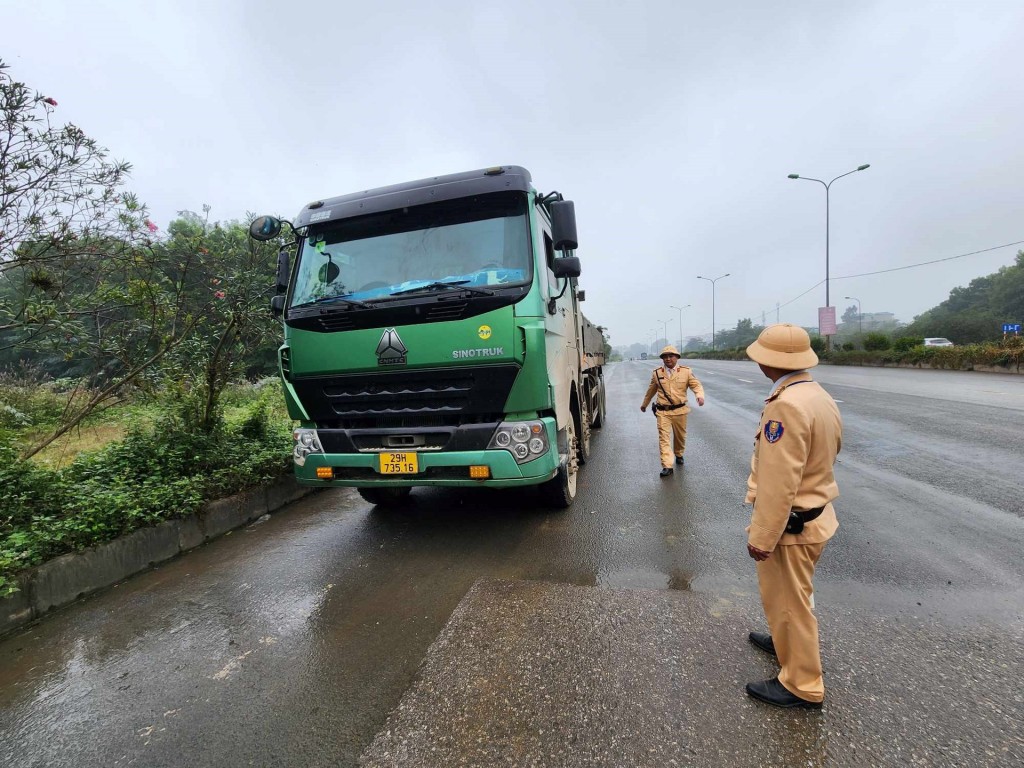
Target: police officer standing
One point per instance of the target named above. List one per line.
(791, 486)
(670, 383)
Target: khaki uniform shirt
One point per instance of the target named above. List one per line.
(675, 386)
(796, 445)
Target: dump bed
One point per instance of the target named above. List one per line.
(593, 345)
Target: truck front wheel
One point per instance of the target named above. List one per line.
(385, 497)
(560, 491)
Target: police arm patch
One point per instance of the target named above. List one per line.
(773, 430)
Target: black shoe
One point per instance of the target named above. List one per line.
(666, 471)
(763, 641)
(775, 693)
(679, 460)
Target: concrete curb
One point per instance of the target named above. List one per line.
(64, 579)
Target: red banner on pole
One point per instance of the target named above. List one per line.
(827, 321)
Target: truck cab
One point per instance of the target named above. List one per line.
(432, 336)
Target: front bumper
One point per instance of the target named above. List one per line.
(438, 468)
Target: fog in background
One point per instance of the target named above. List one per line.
(672, 125)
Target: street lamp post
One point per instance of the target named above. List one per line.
(713, 281)
(673, 306)
(860, 315)
(664, 328)
(828, 185)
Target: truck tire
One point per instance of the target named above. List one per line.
(583, 432)
(599, 409)
(560, 491)
(385, 497)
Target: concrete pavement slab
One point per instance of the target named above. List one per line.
(543, 674)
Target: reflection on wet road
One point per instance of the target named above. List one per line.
(288, 643)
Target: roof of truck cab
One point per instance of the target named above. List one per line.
(431, 190)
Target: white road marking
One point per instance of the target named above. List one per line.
(838, 401)
(747, 381)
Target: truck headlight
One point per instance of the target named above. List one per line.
(525, 440)
(306, 442)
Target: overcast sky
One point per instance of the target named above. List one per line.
(672, 124)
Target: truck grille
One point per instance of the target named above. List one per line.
(435, 397)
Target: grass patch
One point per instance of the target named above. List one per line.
(143, 464)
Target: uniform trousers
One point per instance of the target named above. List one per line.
(785, 580)
(671, 430)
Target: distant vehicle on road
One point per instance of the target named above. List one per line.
(938, 342)
(643, 355)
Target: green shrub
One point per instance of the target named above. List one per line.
(905, 343)
(160, 471)
(876, 341)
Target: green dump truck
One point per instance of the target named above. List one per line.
(433, 336)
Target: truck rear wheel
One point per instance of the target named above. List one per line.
(385, 497)
(583, 433)
(599, 408)
(560, 491)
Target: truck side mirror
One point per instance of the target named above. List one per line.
(277, 305)
(264, 228)
(566, 266)
(283, 271)
(563, 225)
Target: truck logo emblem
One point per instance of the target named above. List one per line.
(484, 332)
(390, 349)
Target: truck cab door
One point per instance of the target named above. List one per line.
(561, 335)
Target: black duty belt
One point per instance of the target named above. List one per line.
(670, 407)
(797, 518)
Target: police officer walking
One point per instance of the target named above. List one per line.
(670, 383)
(791, 486)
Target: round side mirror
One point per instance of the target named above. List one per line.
(264, 228)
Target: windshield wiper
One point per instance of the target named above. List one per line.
(454, 285)
(333, 299)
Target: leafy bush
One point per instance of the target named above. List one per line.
(159, 472)
(874, 342)
(818, 344)
(905, 343)
(1008, 354)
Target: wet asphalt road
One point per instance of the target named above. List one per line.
(290, 642)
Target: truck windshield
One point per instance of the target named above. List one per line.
(481, 243)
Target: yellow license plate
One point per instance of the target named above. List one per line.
(405, 463)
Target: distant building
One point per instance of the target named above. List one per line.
(879, 321)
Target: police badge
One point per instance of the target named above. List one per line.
(773, 431)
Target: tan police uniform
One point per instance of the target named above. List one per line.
(798, 438)
(670, 388)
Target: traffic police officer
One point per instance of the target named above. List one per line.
(791, 486)
(670, 383)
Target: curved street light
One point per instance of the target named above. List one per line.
(713, 281)
(860, 315)
(827, 185)
(673, 306)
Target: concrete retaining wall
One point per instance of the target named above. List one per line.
(66, 578)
